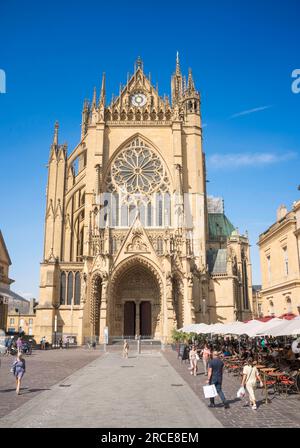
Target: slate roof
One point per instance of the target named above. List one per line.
(217, 261)
(219, 226)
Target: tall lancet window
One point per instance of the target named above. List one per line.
(77, 289)
(70, 288)
(159, 210)
(62, 299)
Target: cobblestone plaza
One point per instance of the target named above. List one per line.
(93, 388)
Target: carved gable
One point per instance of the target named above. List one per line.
(136, 242)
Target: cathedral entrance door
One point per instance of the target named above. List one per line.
(145, 319)
(129, 319)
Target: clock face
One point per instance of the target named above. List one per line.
(139, 99)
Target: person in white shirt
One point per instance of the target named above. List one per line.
(250, 376)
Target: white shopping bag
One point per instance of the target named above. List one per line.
(210, 391)
(241, 392)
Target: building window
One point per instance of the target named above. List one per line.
(259, 309)
(62, 300)
(286, 261)
(271, 309)
(11, 321)
(138, 176)
(159, 210)
(289, 305)
(77, 289)
(132, 214)
(70, 288)
(269, 267)
(149, 214)
(30, 331)
(30, 321)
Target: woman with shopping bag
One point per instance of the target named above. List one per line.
(250, 376)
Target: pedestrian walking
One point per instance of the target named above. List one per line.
(215, 376)
(8, 343)
(250, 376)
(206, 355)
(193, 356)
(125, 349)
(18, 369)
(43, 343)
(20, 344)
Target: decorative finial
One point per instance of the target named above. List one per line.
(178, 71)
(55, 138)
(138, 64)
(102, 93)
(191, 85)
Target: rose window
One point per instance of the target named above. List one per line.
(137, 169)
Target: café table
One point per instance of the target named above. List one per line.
(260, 366)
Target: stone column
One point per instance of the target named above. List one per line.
(103, 311)
(137, 318)
(191, 309)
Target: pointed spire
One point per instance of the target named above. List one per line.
(178, 71)
(85, 107)
(102, 93)
(55, 137)
(94, 102)
(191, 85)
(184, 85)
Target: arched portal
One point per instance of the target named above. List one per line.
(135, 302)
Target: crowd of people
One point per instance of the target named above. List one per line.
(251, 351)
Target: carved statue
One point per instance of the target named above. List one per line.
(83, 287)
(190, 279)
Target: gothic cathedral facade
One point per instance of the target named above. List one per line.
(133, 245)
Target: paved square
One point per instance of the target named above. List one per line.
(43, 370)
(86, 388)
(141, 391)
(280, 413)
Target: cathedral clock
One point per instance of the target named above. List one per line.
(138, 99)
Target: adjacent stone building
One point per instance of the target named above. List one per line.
(280, 266)
(133, 245)
(5, 282)
(20, 315)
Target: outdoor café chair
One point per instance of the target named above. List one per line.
(288, 383)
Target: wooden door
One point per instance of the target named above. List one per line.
(145, 319)
(129, 319)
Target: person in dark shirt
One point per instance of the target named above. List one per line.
(215, 376)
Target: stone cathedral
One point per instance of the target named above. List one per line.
(134, 246)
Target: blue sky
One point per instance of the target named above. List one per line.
(242, 54)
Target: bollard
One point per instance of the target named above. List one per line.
(139, 346)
